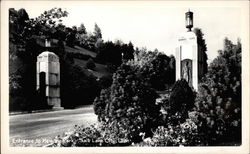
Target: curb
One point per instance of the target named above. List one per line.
(26, 112)
(41, 111)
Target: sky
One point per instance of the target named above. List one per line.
(150, 24)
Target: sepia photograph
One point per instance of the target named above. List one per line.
(156, 75)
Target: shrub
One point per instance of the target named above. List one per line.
(105, 81)
(218, 103)
(90, 64)
(115, 133)
(102, 134)
(80, 136)
(100, 104)
(184, 134)
(129, 99)
(111, 68)
(181, 99)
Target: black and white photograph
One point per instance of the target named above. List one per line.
(156, 75)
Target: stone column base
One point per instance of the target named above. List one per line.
(56, 108)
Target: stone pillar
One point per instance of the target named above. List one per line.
(195, 69)
(48, 63)
(178, 63)
(187, 50)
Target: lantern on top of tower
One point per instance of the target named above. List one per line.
(189, 20)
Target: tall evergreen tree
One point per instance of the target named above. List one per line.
(202, 50)
(97, 32)
(81, 29)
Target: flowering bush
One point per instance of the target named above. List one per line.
(115, 133)
(185, 134)
(102, 134)
(80, 136)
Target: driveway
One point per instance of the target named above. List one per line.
(38, 129)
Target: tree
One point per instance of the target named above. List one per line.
(21, 89)
(60, 32)
(81, 29)
(157, 68)
(71, 36)
(128, 51)
(45, 24)
(202, 51)
(98, 44)
(23, 17)
(88, 41)
(219, 99)
(109, 53)
(97, 32)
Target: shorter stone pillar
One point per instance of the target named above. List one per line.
(48, 78)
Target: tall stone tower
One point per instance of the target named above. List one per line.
(188, 55)
(48, 77)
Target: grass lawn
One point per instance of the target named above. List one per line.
(99, 71)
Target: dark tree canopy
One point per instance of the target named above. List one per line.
(157, 68)
(110, 52)
(71, 36)
(202, 50)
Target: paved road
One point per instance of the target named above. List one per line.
(45, 126)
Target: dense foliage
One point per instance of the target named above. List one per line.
(71, 36)
(202, 51)
(157, 68)
(105, 81)
(219, 99)
(184, 134)
(177, 127)
(110, 52)
(213, 118)
(216, 112)
(181, 99)
(129, 100)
